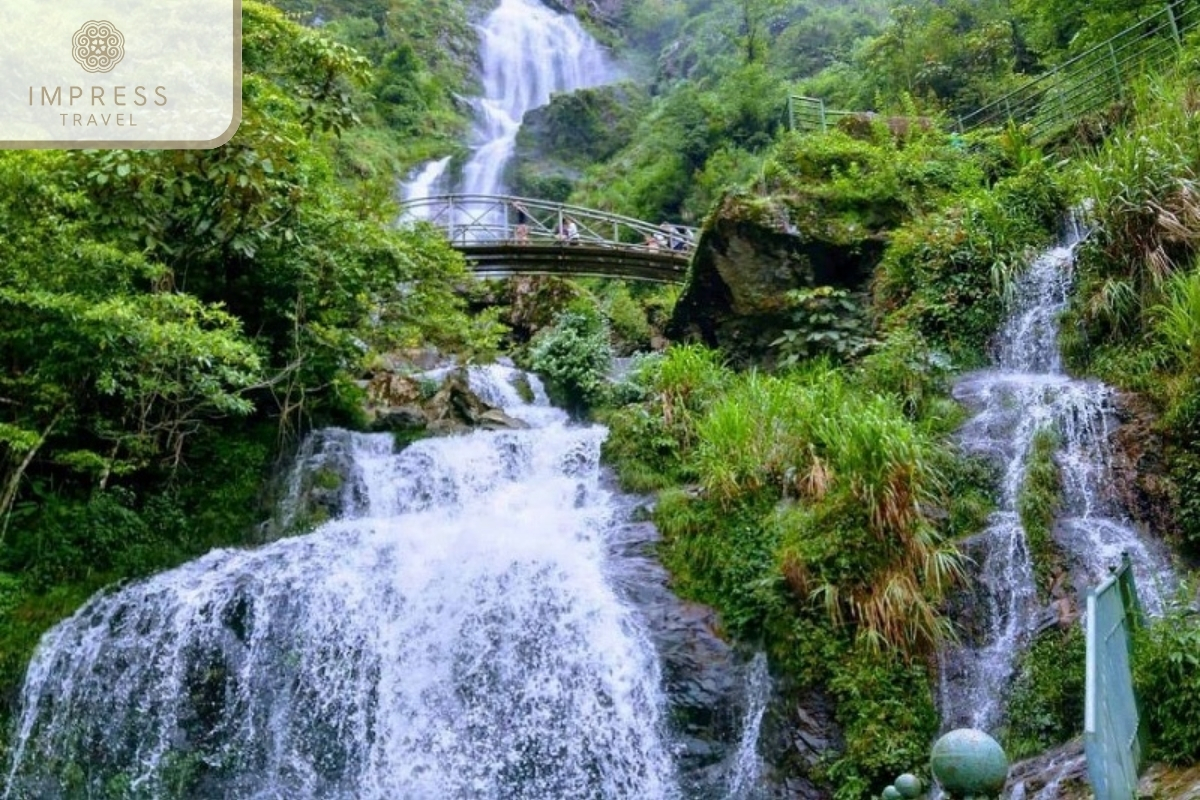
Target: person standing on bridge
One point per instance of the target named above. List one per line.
(670, 235)
(681, 239)
(522, 224)
(572, 231)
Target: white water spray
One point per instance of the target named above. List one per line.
(1026, 392)
(527, 52)
(455, 636)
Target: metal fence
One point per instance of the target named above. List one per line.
(809, 114)
(1057, 99)
(1112, 730)
(1093, 80)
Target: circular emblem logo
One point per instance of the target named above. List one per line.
(98, 46)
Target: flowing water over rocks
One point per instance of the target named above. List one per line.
(1025, 392)
(527, 52)
(485, 620)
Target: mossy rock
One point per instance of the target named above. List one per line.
(751, 253)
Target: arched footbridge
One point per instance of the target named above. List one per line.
(502, 235)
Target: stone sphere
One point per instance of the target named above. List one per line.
(968, 762)
(892, 793)
(908, 785)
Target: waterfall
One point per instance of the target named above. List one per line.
(1026, 391)
(453, 636)
(426, 181)
(476, 624)
(526, 52)
(745, 781)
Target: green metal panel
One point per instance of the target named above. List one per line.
(1111, 727)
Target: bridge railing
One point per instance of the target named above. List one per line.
(487, 220)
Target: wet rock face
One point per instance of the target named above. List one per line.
(401, 404)
(1058, 774)
(750, 254)
(1140, 475)
(706, 685)
(607, 11)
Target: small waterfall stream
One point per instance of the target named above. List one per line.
(1026, 391)
(482, 622)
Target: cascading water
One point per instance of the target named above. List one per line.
(1025, 392)
(527, 52)
(425, 182)
(461, 632)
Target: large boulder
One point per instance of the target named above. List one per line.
(403, 404)
(557, 142)
(751, 253)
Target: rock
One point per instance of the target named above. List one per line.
(1060, 773)
(495, 419)
(1165, 781)
(392, 390)
(1140, 472)
(560, 140)
(608, 12)
(751, 253)
(400, 418)
(396, 403)
(320, 483)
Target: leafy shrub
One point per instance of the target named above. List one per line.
(886, 709)
(946, 274)
(903, 365)
(1167, 678)
(826, 322)
(573, 356)
(1038, 502)
(1046, 705)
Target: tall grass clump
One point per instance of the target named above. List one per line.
(648, 439)
(856, 479)
(1145, 207)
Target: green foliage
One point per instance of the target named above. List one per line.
(828, 322)
(1146, 213)
(1167, 678)
(631, 329)
(870, 180)
(649, 437)
(574, 356)
(1133, 318)
(946, 274)
(812, 519)
(903, 365)
(1038, 502)
(1045, 707)
(885, 706)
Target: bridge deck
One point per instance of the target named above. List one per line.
(502, 235)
